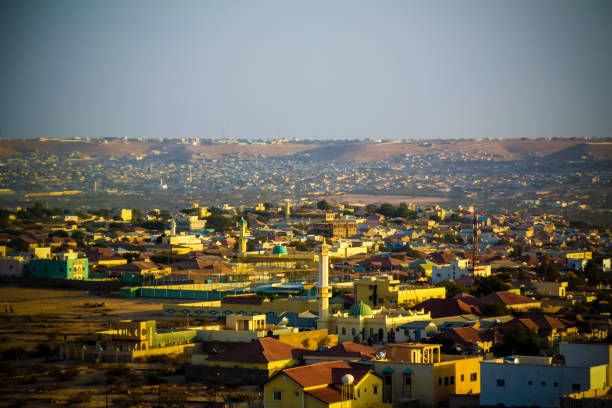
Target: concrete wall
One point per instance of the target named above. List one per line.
(532, 385)
(586, 355)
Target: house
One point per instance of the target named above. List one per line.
(68, 266)
(384, 291)
(331, 384)
(550, 329)
(447, 307)
(419, 375)
(266, 354)
(521, 381)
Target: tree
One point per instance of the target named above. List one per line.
(489, 284)
(324, 205)
(592, 272)
(219, 222)
(493, 309)
(548, 271)
(453, 288)
(521, 340)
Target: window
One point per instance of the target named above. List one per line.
(452, 380)
(575, 387)
(462, 377)
(408, 379)
(277, 395)
(555, 384)
(344, 330)
(543, 383)
(445, 380)
(353, 331)
(297, 393)
(474, 377)
(375, 389)
(440, 381)
(358, 393)
(530, 382)
(371, 332)
(500, 382)
(365, 389)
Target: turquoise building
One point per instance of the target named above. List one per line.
(60, 268)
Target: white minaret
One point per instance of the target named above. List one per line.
(324, 289)
(172, 227)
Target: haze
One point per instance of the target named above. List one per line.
(310, 69)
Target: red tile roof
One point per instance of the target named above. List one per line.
(323, 373)
(263, 350)
(507, 298)
(446, 307)
(346, 349)
(327, 394)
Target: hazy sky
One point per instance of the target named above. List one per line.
(306, 69)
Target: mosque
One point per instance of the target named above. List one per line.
(361, 323)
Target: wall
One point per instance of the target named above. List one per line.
(517, 391)
(288, 389)
(585, 355)
(312, 339)
(11, 267)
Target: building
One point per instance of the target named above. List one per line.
(534, 381)
(332, 384)
(127, 339)
(69, 266)
(266, 355)
(334, 229)
(362, 323)
(384, 291)
(552, 289)
(419, 375)
(185, 240)
(456, 269)
(189, 223)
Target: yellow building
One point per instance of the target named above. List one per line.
(384, 291)
(333, 384)
(362, 323)
(125, 215)
(418, 373)
(247, 304)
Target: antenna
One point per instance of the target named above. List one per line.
(474, 243)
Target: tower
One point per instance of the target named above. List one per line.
(172, 227)
(324, 292)
(474, 243)
(242, 249)
(287, 210)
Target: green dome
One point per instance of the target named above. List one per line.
(279, 250)
(360, 309)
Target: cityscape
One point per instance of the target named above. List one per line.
(276, 204)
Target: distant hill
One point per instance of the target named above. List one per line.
(509, 149)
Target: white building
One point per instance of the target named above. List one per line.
(533, 381)
(456, 269)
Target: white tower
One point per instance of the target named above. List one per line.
(172, 228)
(324, 292)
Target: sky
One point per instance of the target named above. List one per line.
(329, 69)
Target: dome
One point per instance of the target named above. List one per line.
(279, 250)
(360, 309)
(347, 379)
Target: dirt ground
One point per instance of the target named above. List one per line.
(34, 323)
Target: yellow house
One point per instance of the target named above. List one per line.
(333, 384)
(414, 372)
(384, 291)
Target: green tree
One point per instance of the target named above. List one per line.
(489, 284)
(324, 205)
(453, 288)
(219, 222)
(592, 272)
(520, 340)
(547, 271)
(493, 309)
